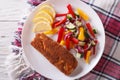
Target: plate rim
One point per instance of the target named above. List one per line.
(85, 5)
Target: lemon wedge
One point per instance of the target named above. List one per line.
(39, 19)
(49, 9)
(44, 18)
(42, 26)
(45, 15)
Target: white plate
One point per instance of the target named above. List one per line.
(41, 64)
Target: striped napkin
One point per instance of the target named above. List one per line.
(108, 67)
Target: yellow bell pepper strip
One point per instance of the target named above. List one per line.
(81, 35)
(85, 47)
(88, 54)
(67, 38)
(62, 42)
(83, 14)
(71, 10)
(60, 34)
(53, 31)
(89, 27)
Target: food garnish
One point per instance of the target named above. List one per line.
(44, 18)
(76, 32)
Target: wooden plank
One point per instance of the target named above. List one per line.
(6, 33)
(12, 9)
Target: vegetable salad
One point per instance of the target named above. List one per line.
(75, 32)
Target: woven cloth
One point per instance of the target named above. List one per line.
(108, 67)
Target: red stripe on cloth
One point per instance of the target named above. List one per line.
(85, 0)
(113, 70)
(89, 76)
(108, 45)
(102, 16)
(100, 64)
(113, 27)
(117, 9)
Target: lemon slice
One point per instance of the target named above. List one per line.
(45, 15)
(38, 19)
(49, 9)
(42, 26)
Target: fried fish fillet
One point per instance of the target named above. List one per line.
(55, 53)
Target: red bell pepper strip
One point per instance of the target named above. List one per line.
(60, 15)
(60, 22)
(85, 46)
(90, 29)
(67, 43)
(70, 10)
(96, 41)
(53, 25)
(74, 40)
(94, 49)
(85, 52)
(60, 34)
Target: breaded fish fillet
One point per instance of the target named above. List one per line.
(55, 53)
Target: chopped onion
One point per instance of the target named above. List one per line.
(78, 55)
(79, 49)
(68, 35)
(81, 43)
(35, 2)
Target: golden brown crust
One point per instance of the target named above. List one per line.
(55, 53)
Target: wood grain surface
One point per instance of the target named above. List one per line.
(11, 11)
